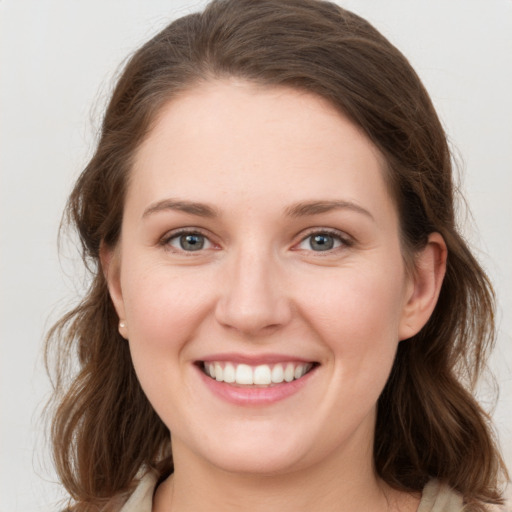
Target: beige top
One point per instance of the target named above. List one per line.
(436, 497)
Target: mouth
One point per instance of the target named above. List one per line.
(254, 376)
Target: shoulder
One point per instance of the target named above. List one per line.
(436, 497)
(141, 500)
(439, 497)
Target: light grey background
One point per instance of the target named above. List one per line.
(57, 60)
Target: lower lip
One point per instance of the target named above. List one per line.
(245, 395)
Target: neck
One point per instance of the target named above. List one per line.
(339, 484)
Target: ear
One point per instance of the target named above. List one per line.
(424, 286)
(111, 266)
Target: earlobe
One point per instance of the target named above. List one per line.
(110, 264)
(426, 282)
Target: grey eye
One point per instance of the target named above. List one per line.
(190, 242)
(320, 242)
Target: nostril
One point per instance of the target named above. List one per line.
(252, 317)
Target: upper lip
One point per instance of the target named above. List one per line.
(254, 359)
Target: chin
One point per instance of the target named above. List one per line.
(257, 462)
(259, 453)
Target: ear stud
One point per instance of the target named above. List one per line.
(122, 330)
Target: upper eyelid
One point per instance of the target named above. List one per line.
(184, 231)
(165, 243)
(345, 240)
(303, 235)
(175, 233)
(342, 235)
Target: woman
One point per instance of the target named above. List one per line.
(282, 313)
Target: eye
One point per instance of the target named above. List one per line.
(322, 241)
(188, 241)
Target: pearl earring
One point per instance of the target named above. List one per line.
(122, 325)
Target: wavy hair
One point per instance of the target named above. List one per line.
(428, 424)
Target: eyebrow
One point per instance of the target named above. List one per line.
(192, 207)
(302, 209)
(306, 208)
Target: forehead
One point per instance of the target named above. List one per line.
(234, 138)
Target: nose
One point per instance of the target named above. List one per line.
(253, 300)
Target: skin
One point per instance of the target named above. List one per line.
(259, 287)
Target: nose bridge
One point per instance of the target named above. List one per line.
(253, 299)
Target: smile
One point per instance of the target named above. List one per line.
(258, 375)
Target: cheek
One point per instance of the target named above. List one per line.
(356, 313)
(163, 309)
(358, 302)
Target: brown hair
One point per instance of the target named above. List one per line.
(429, 424)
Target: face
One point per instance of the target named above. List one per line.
(260, 277)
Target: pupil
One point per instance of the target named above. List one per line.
(192, 242)
(322, 242)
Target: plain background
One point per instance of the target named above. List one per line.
(57, 61)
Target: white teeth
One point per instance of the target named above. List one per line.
(277, 374)
(289, 372)
(219, 373)
(300, 370)
(229, 373)
(261, 375)
(243, 374)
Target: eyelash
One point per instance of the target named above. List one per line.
(166, 240)
(343, 239)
